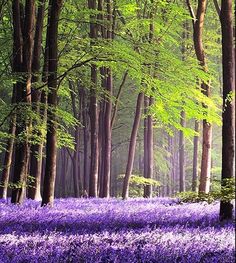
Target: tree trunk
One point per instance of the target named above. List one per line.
(85, 139)
(101, 32)
(182, 154)
(205, 175)
(8, 159)
(93, 182)
(145, 141)
(198, 23)
(149, 151)
(22, 62)
(228, 129)
(101, 140)
(195, 158)
(108, 111)
(51, 139)
(132, 144)
(171, 164)
(75, 157)
(37, 149)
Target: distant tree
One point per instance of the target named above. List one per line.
(108, 108)
(93, 110)
(195, 157)
(132, 145)
(148, 123)
(182, 154)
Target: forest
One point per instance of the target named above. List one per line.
(117, 131)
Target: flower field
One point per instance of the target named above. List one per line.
(98, 230)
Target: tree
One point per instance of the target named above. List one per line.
(195, 157)
(37, 149)
(198, 23)
(228, 129)
(108, 110)
(8, 155)
(132, 145)
(51, 139)
(182, 155)
(23, 26)
(93, 111)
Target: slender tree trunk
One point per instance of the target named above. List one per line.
(85, 139)
(75, 159)
(198, 23)
(170, 162)
(205, 175)
(63, 172)
(148, 133)
(107, 139)
(108, 112)
(93, 182)
(182, 155)
(51, 139)
(8, 154)
(228, 129)
(8, 159)
(23, 47)
(145, 142)
(132, 145)
(78, 145)
(37, 149)
(101, 141)
(101, 32)
(149, 151)
(195, 158)
(176, 162)
(115, 109)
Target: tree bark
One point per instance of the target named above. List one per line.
(205, 174)
(37, 149)
(86, 141)
(93, 112)
(148, 149)
(51, 139)
(182, 154)
(101, 138)
(198, 23)
(195, 157)
(75, 157)
(145, 141)
(8, 159)
(22, 63)
(132, 145)
(228, 129)
(108, 111)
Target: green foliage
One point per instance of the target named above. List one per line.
(224, 192)
(137, 183)
(28, 183)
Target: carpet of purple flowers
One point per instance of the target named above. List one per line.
(97, 230)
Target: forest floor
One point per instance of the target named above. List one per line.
(98, 230)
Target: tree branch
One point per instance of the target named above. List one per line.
(118, 97)
(191, 11)
(217, 7)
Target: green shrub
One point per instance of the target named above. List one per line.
(224, 192)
